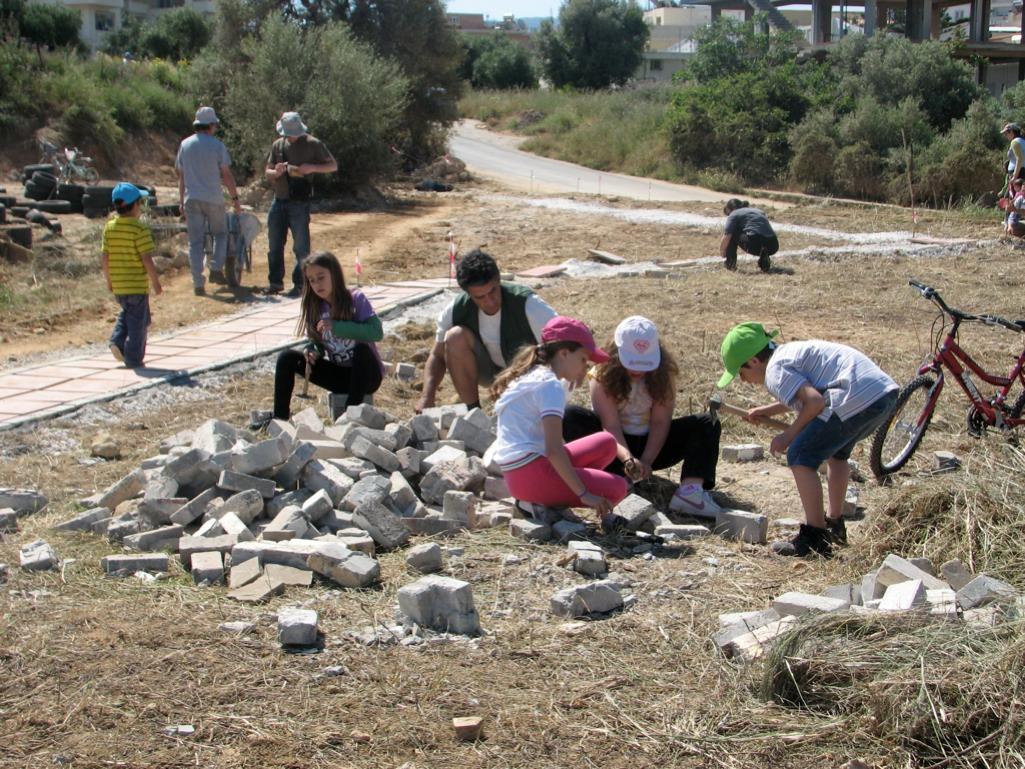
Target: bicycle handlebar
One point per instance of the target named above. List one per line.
(933, 295)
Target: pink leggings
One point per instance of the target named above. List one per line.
(539, 482)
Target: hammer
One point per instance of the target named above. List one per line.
(715, 405)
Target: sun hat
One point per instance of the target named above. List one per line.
(291, 124)
(636, 339)
(742, 343)
(125, 194)
(563, 329)
(205, 116)
(1012, 127)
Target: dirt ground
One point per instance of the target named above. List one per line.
(92, 670)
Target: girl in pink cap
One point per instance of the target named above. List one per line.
(541, 470)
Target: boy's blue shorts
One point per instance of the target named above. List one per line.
(834, 438)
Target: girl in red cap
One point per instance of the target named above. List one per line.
(541, 470)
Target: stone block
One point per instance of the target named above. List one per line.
(319, 475)
(308, 418)
(740, 524)
(738, 624)
(361, 542)
(425, 558)
(345, 567)
(895, 570)
(598, 597)
(324, 449)
(317, 506)
(290, 472)
(373, 488)
(751, 646)
(496, 488)
(229, 480)
(956, 575)
(942, 603)
(261, 457)
(247, 505)
(214, 436)
(127, 488)
(179, 440)
(440, 603)
(244, 573)
(459, 506)
(473, 437)
(409, 461)
(114, 564)
(847, 592)
(186, 467)
(9, 520)
(745, 452)
(235, 527)
(443, 454)
(160, 509)
(946, 461)
(283, 500)
(480, 419)
(160, 487)
(466, 474)
(682, 531)
(189, 545)
(424, 428)
(924, 564)
(468, 728)
(401, 435)
(258, 590)
(208, 567)
(850, 502)
(334, 520)
(166, 537)
(903, 596)
(122, 526)
(26, 501)
(290, 523)
(281, 427)
(589, 558)
(194, 508)
(794, 604)
(405, 372)
(402, 498)
(529, 530)
(445, 415)
(634, 510)
(871, 588)
(289, 575)
(985, 590)
(382, 524)
(38, 556)
(84, 521)
(386, 439)
(364, 449)
(431, 527)
(566, 531)
(367, 415)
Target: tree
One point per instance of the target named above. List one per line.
(176, 35)
(598, 43)
(729, 46)
(497, 62)
(50, 26)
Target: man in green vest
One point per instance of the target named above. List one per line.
(481, 330)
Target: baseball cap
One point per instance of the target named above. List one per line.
(742, 343)
(563, 329)
(205, 116)
(637, 341)
(126, 194)
(291, 124)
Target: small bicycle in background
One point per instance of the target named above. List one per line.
(72, 165)
(898, 438)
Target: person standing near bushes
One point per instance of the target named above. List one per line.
(203, 165)
(291, 163)
(748, 228)
(1015, 158)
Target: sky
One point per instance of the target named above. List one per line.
(496, 9)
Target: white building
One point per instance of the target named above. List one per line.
(101, 17)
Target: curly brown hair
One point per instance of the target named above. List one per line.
(661, 382)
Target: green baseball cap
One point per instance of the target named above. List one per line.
(742, 343)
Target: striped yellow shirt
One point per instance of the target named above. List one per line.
(125, 240)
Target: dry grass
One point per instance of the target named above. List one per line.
(91, 669)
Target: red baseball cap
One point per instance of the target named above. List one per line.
(563, 329)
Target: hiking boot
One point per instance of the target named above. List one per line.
(217, 276)
(764, 263)
(837, 531)
(119, 356)
(275, 288)
(199, 290)
(810, 540)
(694, 501)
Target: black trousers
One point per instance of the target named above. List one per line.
(693, 440)
(756, 245)
(358, 380)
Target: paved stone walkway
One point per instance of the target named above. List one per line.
(49, 389)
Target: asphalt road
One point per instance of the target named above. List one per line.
(495, 156)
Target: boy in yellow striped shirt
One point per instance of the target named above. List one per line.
(128, 267)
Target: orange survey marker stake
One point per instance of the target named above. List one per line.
(359, 268)
(452, 249)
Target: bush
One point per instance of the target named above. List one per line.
(501, 64)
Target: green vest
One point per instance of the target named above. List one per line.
(514, 329)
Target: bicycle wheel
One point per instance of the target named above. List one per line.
(897, 438)
(90, 175)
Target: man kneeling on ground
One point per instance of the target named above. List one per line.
(480, 331)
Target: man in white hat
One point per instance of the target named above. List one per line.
(291, 163)
(203, 165)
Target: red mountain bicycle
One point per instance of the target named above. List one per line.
(897, 439)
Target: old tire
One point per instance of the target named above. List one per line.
(21, 234)
(72, 192)
(55, 206)
(95, 213)
(29, 170)
(34, 191)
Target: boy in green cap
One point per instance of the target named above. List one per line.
(840, 397)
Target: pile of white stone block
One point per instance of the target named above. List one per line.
(897, 586)
(17, 503)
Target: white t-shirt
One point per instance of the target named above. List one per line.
(520, 409)
(538, 313)
(849, 380)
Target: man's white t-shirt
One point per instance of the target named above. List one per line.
(538, 313)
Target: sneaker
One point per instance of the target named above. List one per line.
(116, 352)
(837, 531)
(199, 290)
(295, 293)
(695, 501)
(275, 288)
(809, 540)
(217, 276)
(542, 513)
(764, 263)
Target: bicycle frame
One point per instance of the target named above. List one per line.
(950, 355)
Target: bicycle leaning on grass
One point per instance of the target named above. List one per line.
(897, 439)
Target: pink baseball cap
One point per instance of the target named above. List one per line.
(563, 329)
